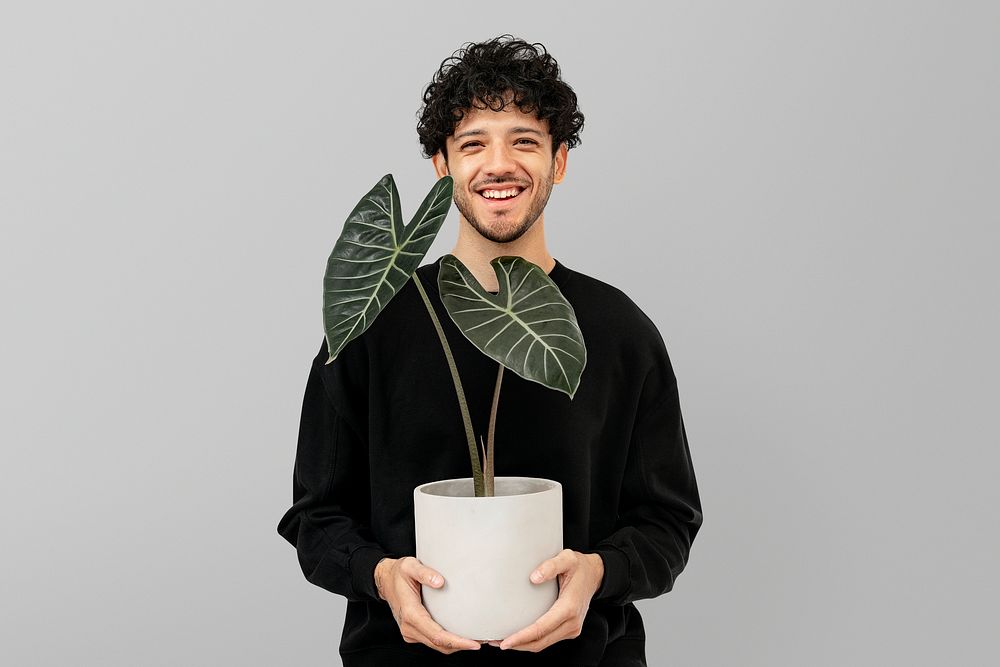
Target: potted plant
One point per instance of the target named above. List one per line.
(484, 534)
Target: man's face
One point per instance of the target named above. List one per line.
(491, 153)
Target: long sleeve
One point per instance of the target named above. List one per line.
(659, 510)
(328, 520)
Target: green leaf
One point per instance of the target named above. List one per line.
(528, 327)
(375, 256)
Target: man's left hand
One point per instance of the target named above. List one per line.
(580, 575)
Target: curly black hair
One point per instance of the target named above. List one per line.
(482, 74)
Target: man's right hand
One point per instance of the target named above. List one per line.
(398, 580)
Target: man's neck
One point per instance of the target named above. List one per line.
(475, 252)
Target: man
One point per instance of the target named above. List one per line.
(382, 418)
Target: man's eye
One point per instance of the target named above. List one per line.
(470, 143)
(530, 141)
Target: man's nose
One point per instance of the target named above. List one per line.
(499, 159)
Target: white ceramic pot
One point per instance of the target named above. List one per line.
(486, 548)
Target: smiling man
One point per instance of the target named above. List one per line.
(503, 167)
(498, 118)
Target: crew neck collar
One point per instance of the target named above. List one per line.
(558, 274)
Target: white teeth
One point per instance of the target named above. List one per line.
(499, 194)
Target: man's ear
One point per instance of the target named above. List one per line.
(440, 164)
(560, 160)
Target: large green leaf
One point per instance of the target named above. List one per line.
(528, 326)
(375, 256)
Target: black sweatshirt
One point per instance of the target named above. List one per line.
(383, 418)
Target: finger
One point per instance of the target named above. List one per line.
(566, 630)
(427, 641)
(545, 624)
(552, 567)
(442, 644)
(420, 572)
(424, 624)
(439, 643)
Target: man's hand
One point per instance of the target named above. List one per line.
(580, 575)
(398, 581)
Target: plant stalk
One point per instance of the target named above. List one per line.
(488, 474)
(477, 470)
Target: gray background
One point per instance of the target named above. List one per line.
(803, 197)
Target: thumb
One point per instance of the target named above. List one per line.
(543, 572)
(431, 577)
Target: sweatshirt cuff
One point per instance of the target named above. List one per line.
(616, 583)
(362, 564)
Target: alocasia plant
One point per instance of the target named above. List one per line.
(528, 326)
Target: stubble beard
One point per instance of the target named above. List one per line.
(501, 229)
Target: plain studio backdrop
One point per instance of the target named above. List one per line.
(803, 198)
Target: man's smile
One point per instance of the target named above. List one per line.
(501, 197)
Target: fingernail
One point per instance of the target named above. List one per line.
(435, 580)
(536, 576)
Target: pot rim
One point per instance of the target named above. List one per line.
(425, 488)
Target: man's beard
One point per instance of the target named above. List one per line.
(502, 230)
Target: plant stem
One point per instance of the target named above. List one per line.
(489, 480)
(487, 489)
(477, 470)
